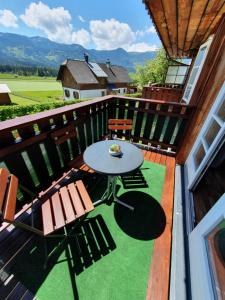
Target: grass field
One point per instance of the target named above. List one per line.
(18, 85)
(18, 77)
(35, 97)
(32, 89)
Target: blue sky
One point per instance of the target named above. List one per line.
(98, 24)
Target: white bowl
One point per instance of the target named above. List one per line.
(113, 153)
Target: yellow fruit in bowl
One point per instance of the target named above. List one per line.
(114, 148)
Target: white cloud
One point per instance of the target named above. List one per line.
(81, 19)
(141, 33)
(151, 29)
(8, 19)
(55, 23)
(111, 34)
(81, 37)
(141, 47)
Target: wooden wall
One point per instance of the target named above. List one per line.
(4, 99)
(206, 90)
(68, 80)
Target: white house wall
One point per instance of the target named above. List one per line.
(120, 91)
(83, 93)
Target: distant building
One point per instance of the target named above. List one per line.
(4, 94)
(84, 79)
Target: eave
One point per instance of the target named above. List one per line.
(183, 25)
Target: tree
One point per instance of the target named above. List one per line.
(153, 71)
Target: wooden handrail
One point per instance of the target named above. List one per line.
(28, 151)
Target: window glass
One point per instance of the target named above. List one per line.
(193, 75)
(221, 111)
(75, 95)
(212, 132)
(170, 79)
(172, 70)
(182, 70)
(199, 155)
(179, 79)
(67, 93)
(200, 56)
(195, 72)
(215, 242)
(187, 92)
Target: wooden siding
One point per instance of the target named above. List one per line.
(184, 25)
(207, 88)
(4, 99)
(68, 80)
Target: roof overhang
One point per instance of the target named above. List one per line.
(184, 25)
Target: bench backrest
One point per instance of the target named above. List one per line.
(8, 192)
(120, 124)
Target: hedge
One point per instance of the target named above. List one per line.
(135, 95)
(12, 111)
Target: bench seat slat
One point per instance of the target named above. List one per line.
(77, 203)
(10, 205)
(88, 205)
(4, 174)
(47, 220)
(57, 211)
(67, 205)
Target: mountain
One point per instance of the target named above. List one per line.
(38, 51)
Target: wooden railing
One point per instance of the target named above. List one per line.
(29, 152)
(166, 93)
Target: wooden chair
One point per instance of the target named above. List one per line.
(60, 137)
(119, 125)
(60, 205)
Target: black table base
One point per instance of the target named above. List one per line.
(111, 191)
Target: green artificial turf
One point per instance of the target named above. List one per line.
(116, 247)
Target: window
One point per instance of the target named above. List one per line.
(75, 95)
(196, 70)
(67, 93)
(176, 74)
(208, 141)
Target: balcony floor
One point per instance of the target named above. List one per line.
(118, 246)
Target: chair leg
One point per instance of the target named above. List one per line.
(64, 237)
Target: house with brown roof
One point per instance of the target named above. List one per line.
(85, 79)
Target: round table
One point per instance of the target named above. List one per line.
(98, 158)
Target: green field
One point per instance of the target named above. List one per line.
(32, 89)
(17, 85)
(18, 77)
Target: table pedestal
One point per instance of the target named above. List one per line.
(111, 190)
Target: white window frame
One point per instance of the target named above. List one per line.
(199, 68)
(202, 285)
(195, 172)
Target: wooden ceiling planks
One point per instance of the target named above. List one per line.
(213, 8)
(184, 11)
(183, 25)
(158, 16)
(170, 11)
(197, 13)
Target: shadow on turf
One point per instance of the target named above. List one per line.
(135, 180)
(146, 222)
(95, 242)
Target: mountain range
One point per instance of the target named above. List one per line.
(38, 51)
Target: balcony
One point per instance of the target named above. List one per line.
(122, 247)
(165, 92)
